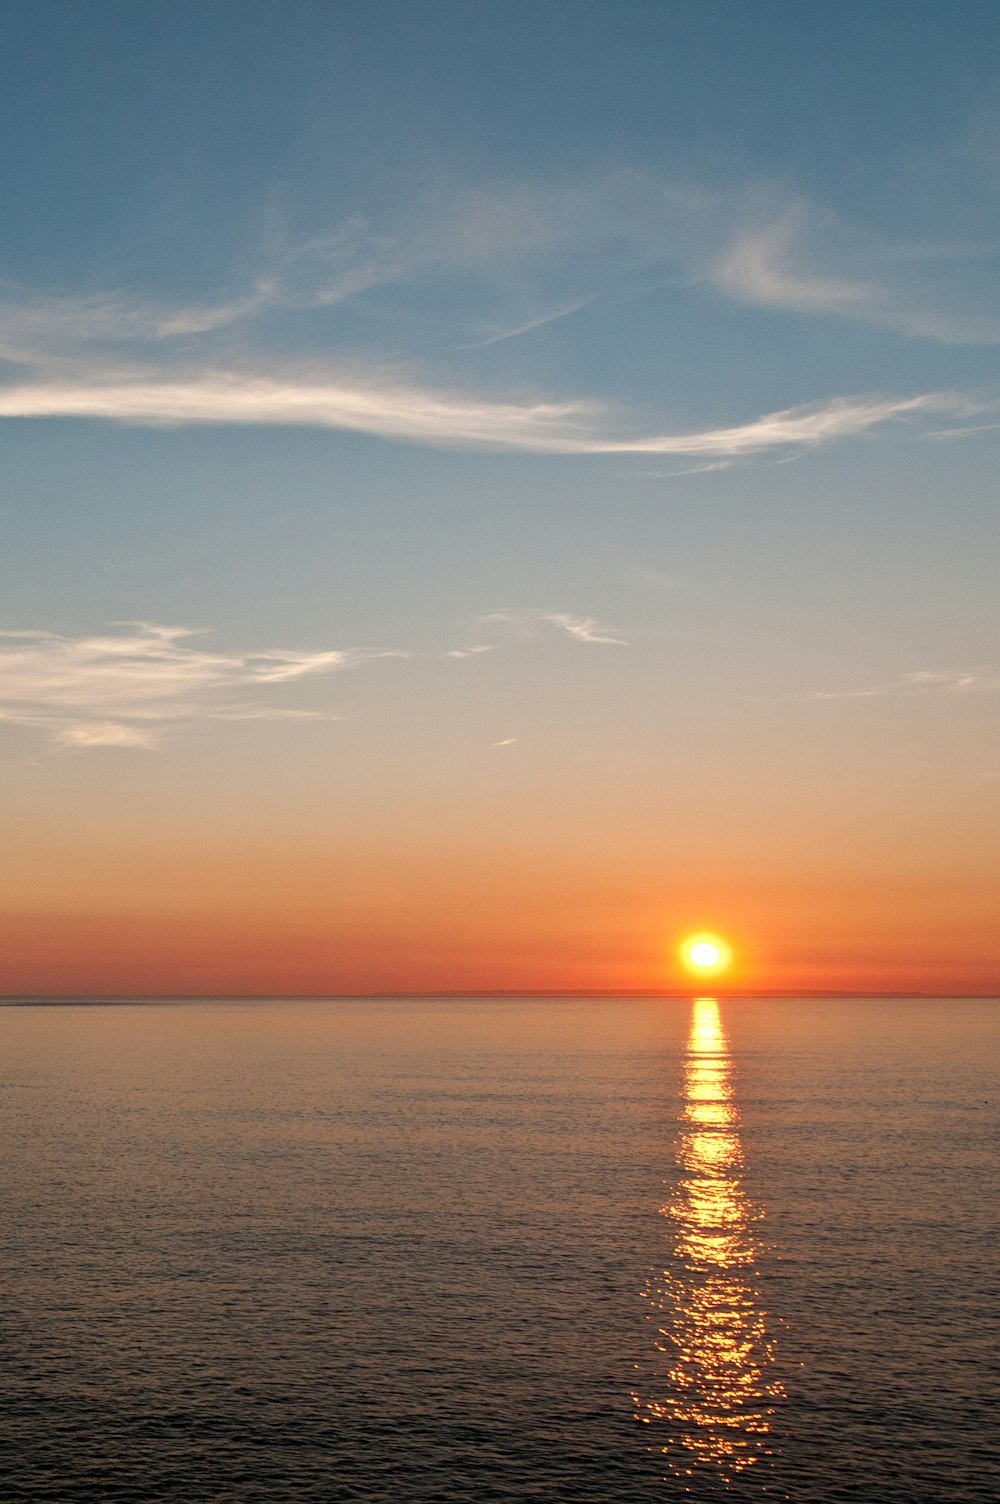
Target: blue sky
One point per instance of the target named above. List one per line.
(611, 385)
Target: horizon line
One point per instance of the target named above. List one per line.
(527, 993)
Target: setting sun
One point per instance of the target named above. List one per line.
(705, 955)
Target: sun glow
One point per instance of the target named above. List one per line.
(705, 955)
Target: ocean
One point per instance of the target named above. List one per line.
(586, 1251)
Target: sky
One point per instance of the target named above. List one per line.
(488, 489)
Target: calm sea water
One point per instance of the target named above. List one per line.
(483, 1251)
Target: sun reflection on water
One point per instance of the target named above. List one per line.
(714, 1385)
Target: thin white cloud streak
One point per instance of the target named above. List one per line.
(526, 622)
(708, 469)
(583, 628)
(758, 268)
(533, 253)
(475, 265)
(771, 265)
(918, 682)
(807, 426)
(80, 735)
(549, 250)
(85, 734)
(124, 688)
(968, 431)
(135, 683)
(49, 330)
(553, 316)
(493, 262)
(449, 419)
(420, 415)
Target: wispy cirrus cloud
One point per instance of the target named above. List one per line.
(51, 331)
(459, 267)
(917, 682)
(802, 260)
(134, 683)
(765, 264)
(529, 622)
(473, 650)
(501, 260)
(963, 431)
(381, 405)
(478, 263)
(389, 408)
(806, 427)
(128, 686)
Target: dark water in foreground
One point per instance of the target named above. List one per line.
(478, 1251)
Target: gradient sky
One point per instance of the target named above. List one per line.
(488, 488)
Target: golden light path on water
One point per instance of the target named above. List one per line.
(713, 1382)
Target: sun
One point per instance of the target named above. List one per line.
(705, 955)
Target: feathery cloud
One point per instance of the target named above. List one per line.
(965, 431)
(385, 408)
(393, 410)
(526, 622)
(918, 682)
(468, 266)
(805, 427)
(759, 267)
(791, 262)
(126, 687)
(459, 265)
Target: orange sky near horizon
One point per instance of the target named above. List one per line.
(184, 920)
(212, 868)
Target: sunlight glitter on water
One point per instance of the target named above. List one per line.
(714, 1386)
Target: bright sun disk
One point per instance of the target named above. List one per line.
(705, 955)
